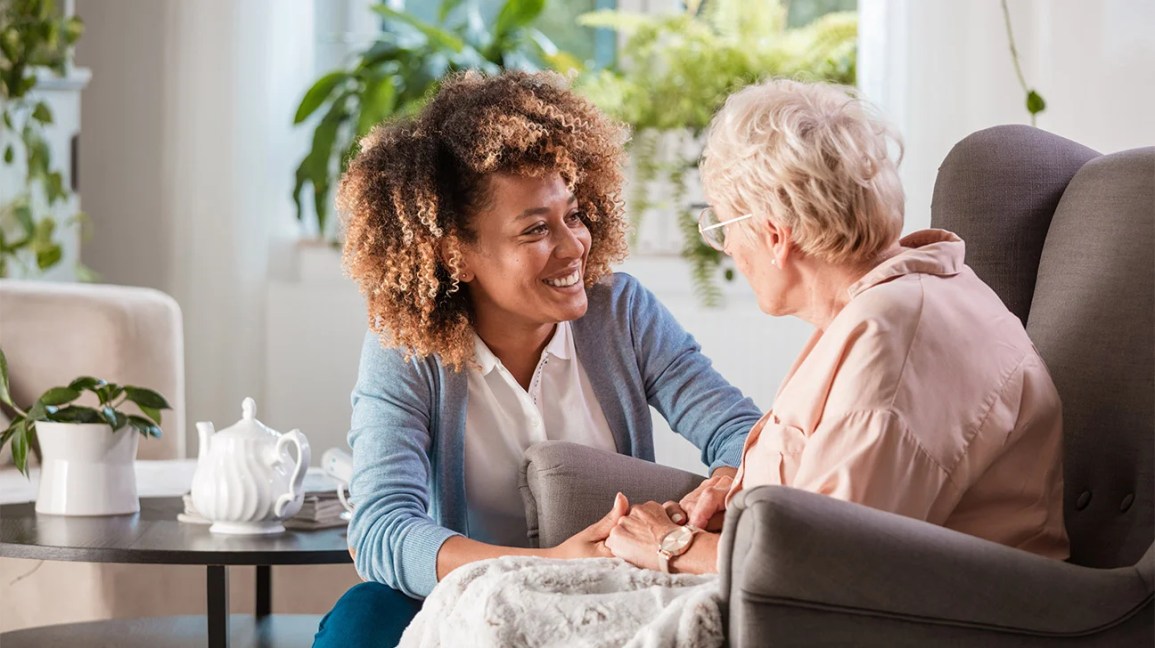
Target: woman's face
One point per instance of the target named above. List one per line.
(526, 267)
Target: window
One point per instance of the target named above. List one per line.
(558, 22)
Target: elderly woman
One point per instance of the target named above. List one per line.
(481, 233)
(919, 393)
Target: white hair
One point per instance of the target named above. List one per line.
(812, 157)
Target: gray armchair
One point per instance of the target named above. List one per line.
(1067, 238)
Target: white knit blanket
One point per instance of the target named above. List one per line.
(517, 601)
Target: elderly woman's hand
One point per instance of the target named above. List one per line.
(635, 537)
(705, 506)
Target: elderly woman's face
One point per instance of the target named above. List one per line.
(750, 244)
(527, 264)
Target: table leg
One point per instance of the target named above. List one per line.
(218, 606)
(264, 591)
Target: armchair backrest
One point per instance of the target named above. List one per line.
(54, 332)
(1066, 237)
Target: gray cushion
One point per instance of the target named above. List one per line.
(997, 189)
(791, 559)
(566, 487)
(1093, 320)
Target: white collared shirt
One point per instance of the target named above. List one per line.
(502, 419)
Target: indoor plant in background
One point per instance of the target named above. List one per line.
(87, 453)
(396, 74)
(36, 39)
(676, 70)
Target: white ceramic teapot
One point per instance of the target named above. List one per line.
(246, 482)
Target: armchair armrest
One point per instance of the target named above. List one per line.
(805, 568)
(567, 486)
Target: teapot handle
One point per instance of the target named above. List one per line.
(303, 458)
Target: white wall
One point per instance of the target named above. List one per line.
(941, 69)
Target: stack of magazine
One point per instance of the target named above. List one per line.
(322, 508)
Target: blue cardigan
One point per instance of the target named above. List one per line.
(408, 426)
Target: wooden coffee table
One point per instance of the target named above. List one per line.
(155, 536)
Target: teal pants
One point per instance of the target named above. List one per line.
(369, 615)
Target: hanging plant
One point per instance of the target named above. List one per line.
(675, 72)
(1035, 102)
(35, 39)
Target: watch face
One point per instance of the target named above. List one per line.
(676, 540)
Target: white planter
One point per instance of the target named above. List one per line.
(87, 469)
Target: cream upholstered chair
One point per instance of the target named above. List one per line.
(54, 332)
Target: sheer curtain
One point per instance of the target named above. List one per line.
(240, 69)
(942, 69)
(188, 147)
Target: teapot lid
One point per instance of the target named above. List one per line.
(249, 426)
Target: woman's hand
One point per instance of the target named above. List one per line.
(705, 506)
(635, 537)
(590, 542)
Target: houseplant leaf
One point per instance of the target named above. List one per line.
(38, 412)
(48, 256)
(151, 412)
(377, 103)
(317, 94)
(20, 447)
(442, 37)
(59, 396)
(144, 426)
(146, 397)
(76, 414)
(5, 395)
(447, 6)
(7, 434)
(1035, 103)
(42, 113)
(85, 382)
(516, 14)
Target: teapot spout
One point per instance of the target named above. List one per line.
(205, 431)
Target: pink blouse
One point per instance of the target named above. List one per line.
(923, 397)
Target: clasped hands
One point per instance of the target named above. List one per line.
(633, 532)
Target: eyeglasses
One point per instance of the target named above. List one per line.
(713, 229)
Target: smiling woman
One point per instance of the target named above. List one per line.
(525, 268)
(409, 198)
(481, 233)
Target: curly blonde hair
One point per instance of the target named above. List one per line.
(408, 197)
(813, 157)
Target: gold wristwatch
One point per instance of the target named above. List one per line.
(675, 543)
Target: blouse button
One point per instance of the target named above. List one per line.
(1084, 500)
(1127, 502)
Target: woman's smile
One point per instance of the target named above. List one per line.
(569, 280)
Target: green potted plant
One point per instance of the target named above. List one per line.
(87, 453)
(396, 74)
(36, 39)
(677, 69)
